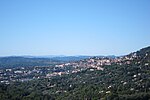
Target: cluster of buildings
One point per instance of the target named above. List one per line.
(8, 75)
(98, 63)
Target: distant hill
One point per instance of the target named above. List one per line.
(70, 58)
(27, 61)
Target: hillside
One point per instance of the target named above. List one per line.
(122, 78)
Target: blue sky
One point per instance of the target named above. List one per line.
(73, 27)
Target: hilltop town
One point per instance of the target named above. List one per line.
(8, 75)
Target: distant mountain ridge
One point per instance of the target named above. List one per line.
(27, 61)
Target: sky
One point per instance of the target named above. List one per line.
(73, 27)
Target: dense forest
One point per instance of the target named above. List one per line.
(115, 82)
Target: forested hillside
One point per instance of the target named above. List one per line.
(128, 79)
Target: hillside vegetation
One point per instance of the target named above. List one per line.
(128, 79)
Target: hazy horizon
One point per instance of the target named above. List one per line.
(76, 27)
(61, 55)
